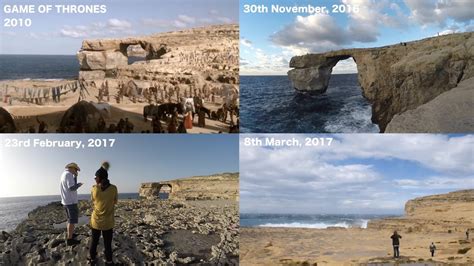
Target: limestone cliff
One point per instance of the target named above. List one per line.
(218, 186)
(399, 77)
(452, 212)
(188, 56)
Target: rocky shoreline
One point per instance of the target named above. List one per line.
(147, 232)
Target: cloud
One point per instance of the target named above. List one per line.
(118, 25)
(316, 32)
(321, 32)
(439, 12)
(259, 62)
(352, 175)
(186, 21)
(436, 182)
(111, 27)
(224, 20)
(245, 42)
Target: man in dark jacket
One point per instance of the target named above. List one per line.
(396, 244)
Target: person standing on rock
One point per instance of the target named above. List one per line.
(69, 188)
(396, 244)
(432, 249)
(104, 196)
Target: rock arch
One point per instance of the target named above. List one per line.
(315, 78)
(394, 78)
(100, 59)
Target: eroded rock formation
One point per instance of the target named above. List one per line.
(218, 186)
(189, 56)
(451, 212)
(396, 78)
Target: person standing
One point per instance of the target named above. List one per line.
(68, 189)
(104, 196)
(467, 234)
(396, 244)
(432, 249)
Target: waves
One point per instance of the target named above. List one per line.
(270, 105)
(315, 221)
(356, 224)
(354, 117)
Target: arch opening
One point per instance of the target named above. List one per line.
(136, 53)
(165, 191)
(351, 111)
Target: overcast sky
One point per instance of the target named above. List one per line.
(134, 159)
(268, 41)
(357, 174)
(63, 33)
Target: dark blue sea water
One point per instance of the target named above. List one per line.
(269, 104)
(14, 210)
(38, 67)
(319, 221)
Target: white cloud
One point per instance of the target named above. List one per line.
(245, 42)
(187, 19)
(321, 32)
(224, 20)
(439, 12)
(118, 25)
(112, 27)
(261, 62)
(343, 177)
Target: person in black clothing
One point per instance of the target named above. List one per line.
(396, 244)
(432, 249)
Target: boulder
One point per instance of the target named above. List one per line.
(91, 75)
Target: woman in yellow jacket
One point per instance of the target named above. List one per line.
(104, 197)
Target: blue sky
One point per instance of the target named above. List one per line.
(134, 159)
(63, 33)
(268, 41)
(357, 174)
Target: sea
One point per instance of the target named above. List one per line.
(269, 104)
(15, 209)
(38, 67)
(316, 221)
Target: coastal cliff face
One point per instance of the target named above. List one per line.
(399, 77)
(452, 212)
(213, 187)
(188, 56)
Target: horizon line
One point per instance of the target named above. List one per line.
(58, 195)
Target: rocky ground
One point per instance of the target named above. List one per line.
(147, 232)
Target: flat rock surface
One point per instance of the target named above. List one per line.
(146, 231)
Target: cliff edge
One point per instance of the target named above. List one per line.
(401, 77)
